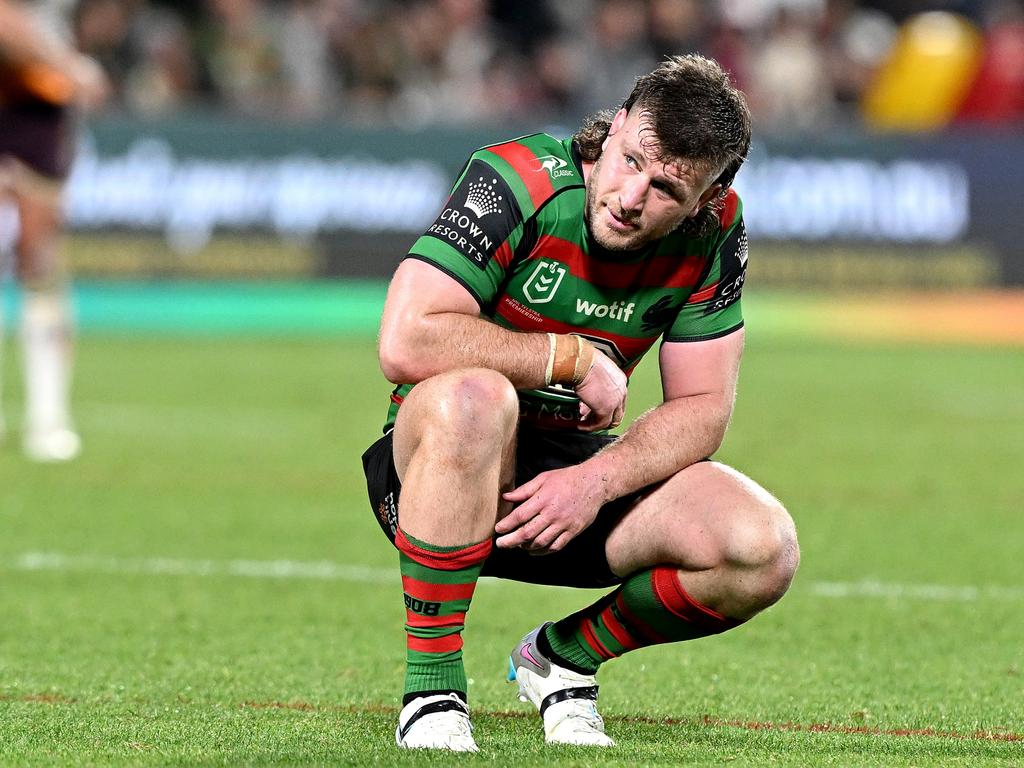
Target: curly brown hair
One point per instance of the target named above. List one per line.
(696, 114)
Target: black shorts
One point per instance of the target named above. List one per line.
(38, 134)
(582, 563)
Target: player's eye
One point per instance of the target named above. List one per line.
(630, 161)
(664, 190)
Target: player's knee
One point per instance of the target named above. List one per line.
(481, 398)
(38, 268)
(475, 406)
(770, 554)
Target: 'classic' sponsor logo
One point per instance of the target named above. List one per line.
(555, 166)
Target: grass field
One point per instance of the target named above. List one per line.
(206, 585)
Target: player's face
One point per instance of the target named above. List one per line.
(633, 198)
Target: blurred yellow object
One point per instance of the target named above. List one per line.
(928, 73)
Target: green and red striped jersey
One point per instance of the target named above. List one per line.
(513, 234)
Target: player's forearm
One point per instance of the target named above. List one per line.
(439, 342)
(663, 441)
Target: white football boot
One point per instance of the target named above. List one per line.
(52, 445)
(436, 722)
(565, 699)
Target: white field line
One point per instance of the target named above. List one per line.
(939, 592)
(328, 571)
(259, 569)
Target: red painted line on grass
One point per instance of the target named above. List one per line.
(40, 698)
(706, 720)
(302, 706)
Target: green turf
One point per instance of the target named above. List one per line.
(140, 640)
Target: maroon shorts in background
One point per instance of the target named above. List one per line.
(39, 135)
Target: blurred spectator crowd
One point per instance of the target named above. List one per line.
(805, 64)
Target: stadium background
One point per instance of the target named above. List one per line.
(205, 586)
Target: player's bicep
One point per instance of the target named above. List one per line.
(417, 292)
(702, 367)
(419, 289)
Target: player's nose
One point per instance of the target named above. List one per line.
(633, 195)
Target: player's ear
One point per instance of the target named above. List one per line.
(616, 126)
(709, 194)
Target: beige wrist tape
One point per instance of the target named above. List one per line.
(570, 359)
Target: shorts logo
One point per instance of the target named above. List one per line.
(555, 166)
(482, 199)
(387, 513)
(543, 282)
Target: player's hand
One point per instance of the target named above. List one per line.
(603, 392)
(92, 88)
(551, 510)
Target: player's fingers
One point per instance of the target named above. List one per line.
(520, 526)
(517, 517)
(533, 529)
(525, 534)
(617, 416)
(544, 539)
(590, 426)
(524, 491)
(596, 421)
(557, 545)
(510, 540)
(563, 539)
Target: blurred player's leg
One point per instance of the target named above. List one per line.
(3, 423)
(46, 332)
(8, 236)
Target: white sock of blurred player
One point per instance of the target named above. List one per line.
(46, 331)
(8, 233)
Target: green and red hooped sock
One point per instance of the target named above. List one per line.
(438, 583)
(648, 608)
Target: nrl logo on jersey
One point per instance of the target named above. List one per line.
(543, 282)
(555, 166)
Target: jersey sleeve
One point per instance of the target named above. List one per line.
(714, 310)
(474, 236)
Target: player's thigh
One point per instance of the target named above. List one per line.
(467, 411)
(706, 515)
(36, 151)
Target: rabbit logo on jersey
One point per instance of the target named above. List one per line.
(543, 282)
(555, 166)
